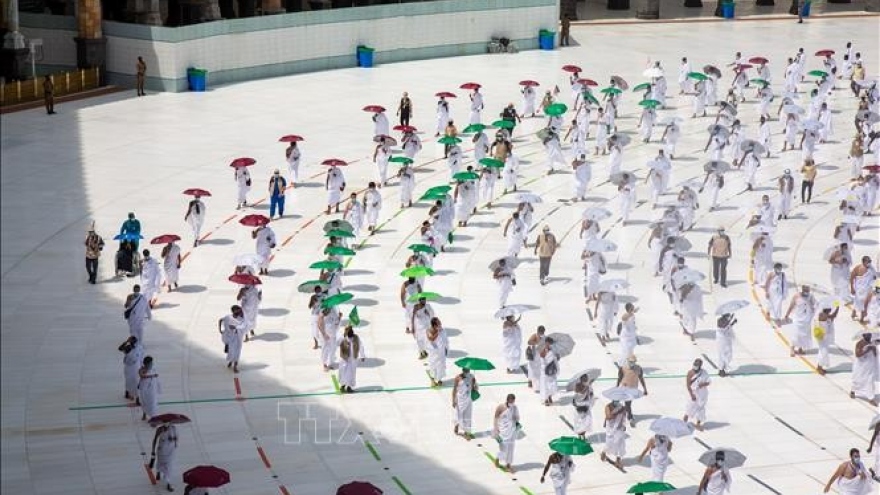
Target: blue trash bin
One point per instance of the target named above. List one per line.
(727, 10)
(546, 40)
(197, 78)
(805, 9)
(365, 56)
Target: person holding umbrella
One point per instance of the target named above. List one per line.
(151, 277)
(249, 297)
(328, 329)
(372, 207)
(697, 383)
(334, 184)
(243, 181)
(464, 388)
(438, 347)
(549, 371)
(293, 156)
(803, 305)
(505, 426)
(560, 467)
(265, 238)
(351, 351)
(528, 92)
(232, 332)
(716, 479)
(504, 275)
(443, 115)
(533, 348)
(512, 342)
(171, 263)
(131, 230)
(630, 375)
(163, 452)
(615, 433)
(724, 339)
(420, 323)
(476, 105)
(195, 217)
(659, 447)
(517, 238)
(133, 357)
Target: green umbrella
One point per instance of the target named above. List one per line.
(339, 233)
(571, 446)
(338, 251)
(463, 176)
(556, 109)
(336, 299)
(326, 265)
(309, 286)
(449, 140)
(475, 363)
(592, 99)
(699, 76)
(491, 163)
(430, 296)
(421, 248)
(611, 90)
(641, 87)
(434, 196)
(401, 159)
(651, 487)
(439, 189)
(417, 271)
(353, 317)
(817, 73)
(649, 103)
(503, 124)
(760, 81)
(473, 128)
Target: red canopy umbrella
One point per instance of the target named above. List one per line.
(529, 82)
(743, 66)
(165, 239)
(445, 94)
(195, 191)
(571, 68)
(374, 108)
(390, 141)
(874, 169)
(255, 220)
(290, 138)
(334, 162)
(173, 418)
(758, 60)
(471, 85)
(245, 279)
(405, 128)
(587, 82)
(242, 162)
(206, 477)
(825, 53)
(358, 488)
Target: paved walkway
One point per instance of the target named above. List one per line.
(279, 426)
(595, 10)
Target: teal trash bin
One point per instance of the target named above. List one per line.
(546, 40)
(365, 56)
(728, 10)
(197, 78)
(805, 10)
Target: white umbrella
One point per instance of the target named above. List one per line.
(791, 96)
(620, 178)
(598, 245)
(732, 457)
(596, 213)
(731, 307)
(682, 244)
(613, 285)
(512, 310)
(390, 141)
(730, 109)
(338, 225)
(720, 130)
(671, 120)
(248, 259)
(658, 165)
(867, 83)
(591, 373)
(528, 198)
(793, 110)
(621, 139)
(622, 394)
(510, 261)
(563, 344)
(812, 125)
(687, 276)
(868, 115)
(751, 144)
(653, 72)
(671, 427)
(716, 166)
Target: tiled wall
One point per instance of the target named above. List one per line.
(275, 45)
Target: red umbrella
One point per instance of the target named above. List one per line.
(471, 85)
(874, 169)
(358, 488)
(206, 477)
(587, 82)
(242, 162)
(445, 94)
(825, 53)
(165, 239)
(571, 68)
(374, 108)
(334, 162)
(390, 141)
(529, 82)
(173, 418)
(405, 128)
(196, 192)
(744, 66)
(758, 60)
(290, 138)
(245, 279)
(255, 220)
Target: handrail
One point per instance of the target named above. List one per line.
(65, 83)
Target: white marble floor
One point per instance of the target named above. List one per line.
(278, 426)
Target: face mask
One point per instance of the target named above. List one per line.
(778, 270)
(696, 367)
(856, 459)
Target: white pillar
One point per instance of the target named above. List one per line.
(13, 39)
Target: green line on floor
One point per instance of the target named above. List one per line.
(490, 456)
(400, 485)
(372, 450)
(526, 490)
(335, 384)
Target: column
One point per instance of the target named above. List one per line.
(648, 9)
(14, 55)
(91, 46)
(211, 10)
(13, 39)
(273, 7)
(872, 5)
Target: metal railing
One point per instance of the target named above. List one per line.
(66, 83)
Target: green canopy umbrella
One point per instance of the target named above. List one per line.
(556, 109)
(699, 76)
(337, 299)
(463, 176)
(421, 248)
(592, 99)
(443, 189)
(417, 271)
(571, 446)
(353, 317)
(762, 82)
(503, 124)
(817, 73)
(433, 196)
(449, 140)
(338, 251)
(326, 265)
(641, 87)
(611, 91)
(430, 296)
(339, 233)
(309, 286)
(401, 159)
(475, 363)
(491, 163)
(473, 128)
(649, 103)
(651, 487)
